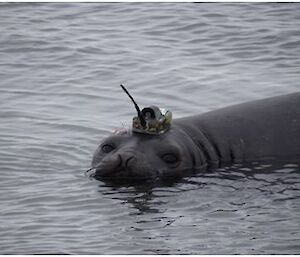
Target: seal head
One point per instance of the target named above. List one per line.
(152, 149)
(143, 156)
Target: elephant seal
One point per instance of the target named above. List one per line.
(267, 129)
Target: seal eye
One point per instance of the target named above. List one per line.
(170, 158)
(107, 148)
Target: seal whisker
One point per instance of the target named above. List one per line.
(90, 172)
(90, 169)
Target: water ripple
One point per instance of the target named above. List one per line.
(61, 66)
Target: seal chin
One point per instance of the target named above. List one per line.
(124, 173)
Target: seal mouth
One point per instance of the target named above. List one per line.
(120, 174)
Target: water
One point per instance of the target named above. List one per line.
(61, 66)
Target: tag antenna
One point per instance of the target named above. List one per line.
(140, 115)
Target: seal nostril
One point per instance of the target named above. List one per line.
(128, 160)
(119, 161)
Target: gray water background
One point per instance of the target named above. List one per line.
(60, 69)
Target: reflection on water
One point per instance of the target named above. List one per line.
(255, 201)
(61, 66)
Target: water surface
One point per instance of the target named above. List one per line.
(61, 66)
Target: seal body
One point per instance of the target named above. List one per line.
(267, 129)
